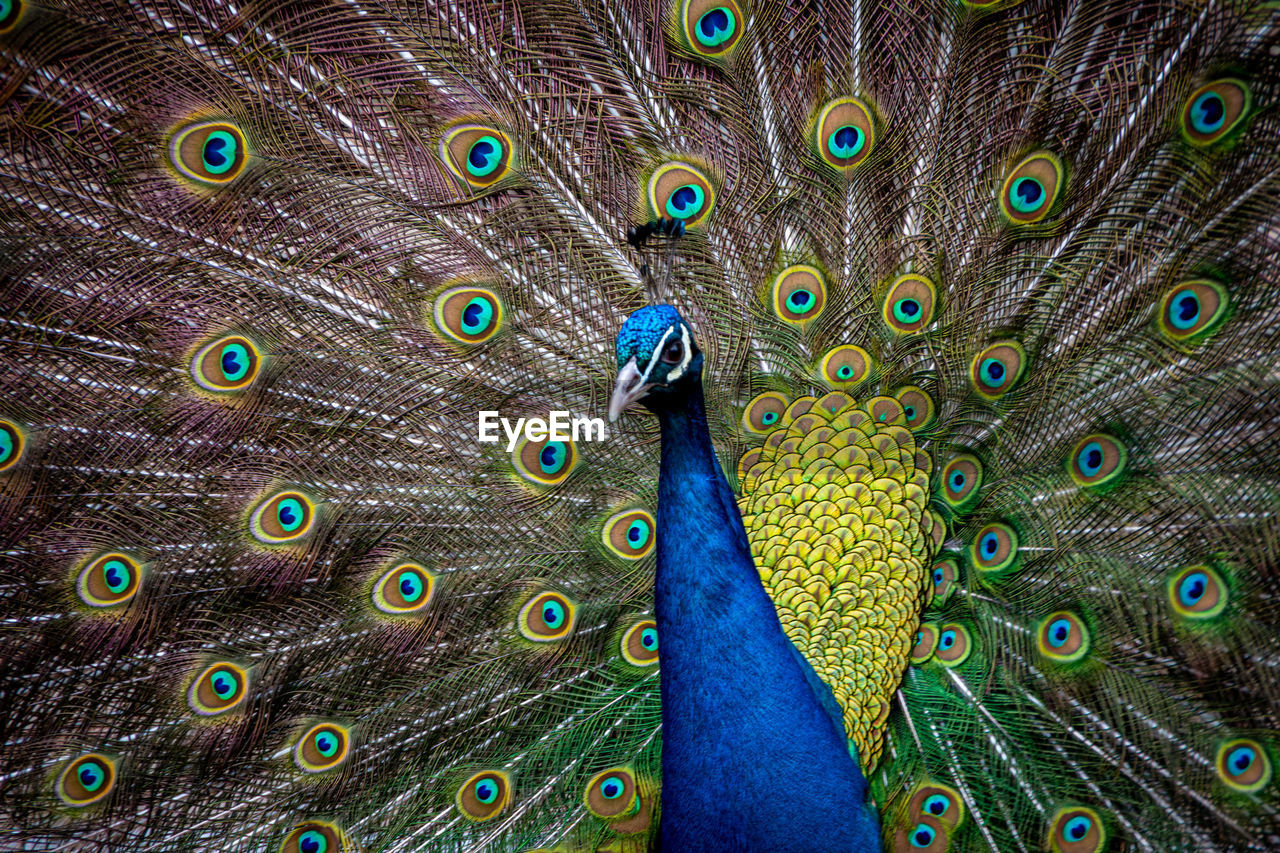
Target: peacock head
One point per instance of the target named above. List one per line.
(657, 356)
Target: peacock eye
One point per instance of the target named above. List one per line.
(217, 689)
(673, 352)
(1244, 765)
(108, 581)
(322, 748)
(546, 617)
(314, 837)
(484, 795)
(86, 780)
(640, 643)
(613, 794)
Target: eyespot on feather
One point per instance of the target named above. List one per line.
(86, 780)
(679, 191)
(846, 365)
(799, 294)
(1190, 310)
(209, 152)
(405, 589)
(844, 134)
(908, 306)
(230, 363)
(1031, 188)
(484, 796)
(944, 576)
(960, 481)
(217, 689)
(640, 643)
(546, 617)
(323, 747)
(1097, 460)
(1244, 765)
(925, 834)
(10, 14)
(315, 836)
(764, 413)
(544, 462)
(1198, 593)
(954, 645)
(478, 154)
(995, 370)
(940, 802)
(886, 410)
(630, 534)
(1063, 637)
(282, 518)
(1076, 829)
(917, 407)
(995, 548)
(926, 642)
(612, 794)
(1214, 110)
(468, 314)
(12, 443)
(833, 403)
(711, 28)
(109, 580)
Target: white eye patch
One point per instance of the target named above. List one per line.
(677, 371)
(655, 357)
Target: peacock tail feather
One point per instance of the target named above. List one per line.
(988, 299)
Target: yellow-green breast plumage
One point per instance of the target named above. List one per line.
(835, 503)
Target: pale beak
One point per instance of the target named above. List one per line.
(630, 388)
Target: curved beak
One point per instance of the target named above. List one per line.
(630, 387)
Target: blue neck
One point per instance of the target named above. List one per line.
(751, 757)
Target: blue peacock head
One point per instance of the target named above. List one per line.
(656, 355)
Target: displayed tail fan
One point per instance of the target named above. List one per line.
(989, 304)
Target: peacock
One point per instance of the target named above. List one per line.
(922, 371)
